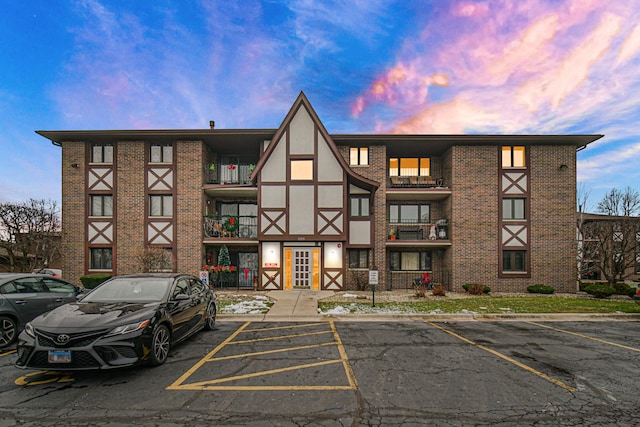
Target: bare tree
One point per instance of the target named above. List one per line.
(154, 259)
(29, 234)
(620, 203)
(610, 240)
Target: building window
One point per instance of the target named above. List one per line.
(410, 166)
(410, 261)
(101, 205)
(161, 153)
(514, 261)
(359, 206)
(513, 209)
(358, 258)
(100, 259)
(513, 156)
(161, 206)
(359, 156)
(102, 153)
(409, 214)
(302, 170)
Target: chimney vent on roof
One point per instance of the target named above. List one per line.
(212, 124)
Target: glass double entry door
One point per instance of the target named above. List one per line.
(304, 268)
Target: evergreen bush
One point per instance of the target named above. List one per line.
(90, 281)
(599, 291)
(540, 289)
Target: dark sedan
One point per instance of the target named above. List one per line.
(127, 320)
(24, 296)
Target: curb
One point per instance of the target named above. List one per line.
(442, 317)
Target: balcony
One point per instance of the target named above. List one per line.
(421, 234)
(229, 173)
(231, 227)
(416, 188)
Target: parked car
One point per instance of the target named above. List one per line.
(125, 321)
(24, 296)
(55, 272)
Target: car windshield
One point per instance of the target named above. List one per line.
(134, 289)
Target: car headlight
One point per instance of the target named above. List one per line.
(125, 329)
(28, 328)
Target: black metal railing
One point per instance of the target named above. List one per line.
(231, 226)
(230, 174)
(438, 230)
(397, 280)
(242, 278)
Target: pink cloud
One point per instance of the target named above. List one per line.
(572, 71)
(512, 69)
(451, 117)
(631, 46)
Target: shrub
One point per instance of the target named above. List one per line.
(541, 289)
(599, 291)
(476, 288)
(90, 281)
(438, 291)
(621, 288)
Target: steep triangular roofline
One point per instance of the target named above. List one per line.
(303, 101)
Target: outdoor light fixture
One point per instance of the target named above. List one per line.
(75, 165)
(563, 166)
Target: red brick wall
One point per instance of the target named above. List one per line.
(189, 211)
(130, 206)
(553, 210)
(73, 207)
(475, 213)
(474, 216)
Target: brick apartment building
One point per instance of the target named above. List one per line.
(298, 207)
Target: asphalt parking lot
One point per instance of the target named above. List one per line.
(353, 373)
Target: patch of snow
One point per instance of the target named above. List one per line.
(246, 307)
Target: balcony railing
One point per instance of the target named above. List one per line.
(231, 226)
(438, 230)
(415, 181)
(230, 174)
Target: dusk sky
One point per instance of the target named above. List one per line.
(366, 66)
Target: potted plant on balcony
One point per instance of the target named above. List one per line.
(392, 234)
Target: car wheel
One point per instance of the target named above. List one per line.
(8, 331)
(210, 323)
(160, 344)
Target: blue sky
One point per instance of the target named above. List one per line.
(367, 66)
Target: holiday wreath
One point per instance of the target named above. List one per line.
(231, 224)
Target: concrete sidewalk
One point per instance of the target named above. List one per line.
(295, 305)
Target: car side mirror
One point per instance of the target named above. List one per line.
(180, 297)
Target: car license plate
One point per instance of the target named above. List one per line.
(59, 356)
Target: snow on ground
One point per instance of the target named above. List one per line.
(258, 305)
